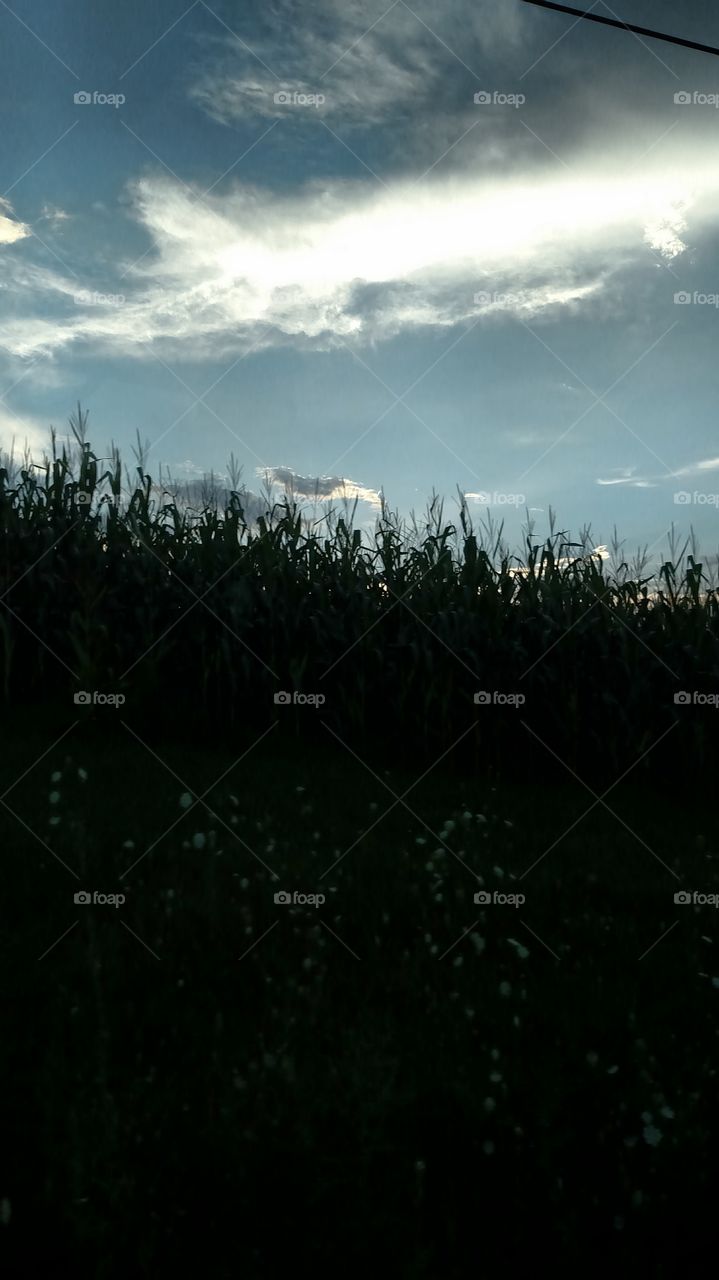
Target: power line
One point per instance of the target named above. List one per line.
(624, 26)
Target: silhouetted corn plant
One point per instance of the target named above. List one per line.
(217, 605)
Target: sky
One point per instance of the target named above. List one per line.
(372, 248)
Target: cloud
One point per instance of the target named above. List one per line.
(198, 487)
(343, 261)
(626, 475)
(698, 468)
(321, 488)
(20, 431)
(370, 61)
(664, 232)
(10, 229)
(52, 213)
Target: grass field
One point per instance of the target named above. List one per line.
(202, 1076)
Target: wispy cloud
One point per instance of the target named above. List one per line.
(53, 214)
(625, 476)
(10, 229)
(370, 61)
(698, 468)
(336, 260)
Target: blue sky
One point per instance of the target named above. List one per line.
(376, 278)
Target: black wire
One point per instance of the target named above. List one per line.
(624, 26)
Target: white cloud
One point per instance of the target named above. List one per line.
(626, 475)
(321, 488)
(351, 261)
(52, 213)
(10, 229)
(18, 431)
(697, 468)
(663, 232)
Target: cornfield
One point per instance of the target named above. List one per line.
(211, 610)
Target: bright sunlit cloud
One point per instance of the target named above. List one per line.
(10, 229)
(351, 261)
(320, 488)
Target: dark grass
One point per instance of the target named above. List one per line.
(196, 1109)
(203, 1080)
